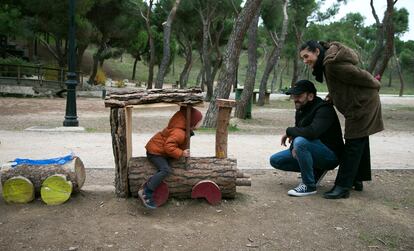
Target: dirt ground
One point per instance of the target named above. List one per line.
(262, 217)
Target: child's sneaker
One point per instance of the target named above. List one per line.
(302, 190)
(146, 196)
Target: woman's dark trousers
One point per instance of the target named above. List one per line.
(355, 164)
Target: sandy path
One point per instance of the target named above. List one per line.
(388, 150)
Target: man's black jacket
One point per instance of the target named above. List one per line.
(318, 120)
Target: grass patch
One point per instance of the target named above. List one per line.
(89, 129)
(390, 240)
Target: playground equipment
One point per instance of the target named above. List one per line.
(54, 181)
(212, 178)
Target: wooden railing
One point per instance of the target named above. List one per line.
(40, 75)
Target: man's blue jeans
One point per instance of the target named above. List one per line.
(310, 154)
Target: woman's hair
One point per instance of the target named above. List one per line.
(312, 45)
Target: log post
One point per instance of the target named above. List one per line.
(120, 149)
(187, 128)
(223, 119)
(128, 124)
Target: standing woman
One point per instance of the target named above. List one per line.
(355, 93)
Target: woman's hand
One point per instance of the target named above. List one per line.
(186, 153)
(328, 99)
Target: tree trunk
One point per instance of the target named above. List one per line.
(73, 170)
(219, 56)
(247, 93)
(389, 35)
(274, 58)
(96, 58)
(185, 176)
(397, 64)
(390, 71)
(79, 56)
(274, 79)
(206, 60)
(151, 46)
(166, 47)
(137, 58)
(379, 43)
(281, 74)
(227, 76)
(199, 78)
(188, 64)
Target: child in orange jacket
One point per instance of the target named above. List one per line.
(169, 143)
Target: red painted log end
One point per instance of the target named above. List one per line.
(207, 189)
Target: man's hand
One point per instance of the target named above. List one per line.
(284, 138)
(186, 153)
(294, 153)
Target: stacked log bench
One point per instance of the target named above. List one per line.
(54, 183)
(192, 177)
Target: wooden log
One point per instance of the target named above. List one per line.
(18, 190)
(122, 99)
(73, 170)
(223, 172)
(243, 182)
(208, 190)
(120, 150)
(56, 190)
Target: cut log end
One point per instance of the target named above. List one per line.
(79, 172)
(56, 190)
(244, 182)
(207, 189)
(18, 190)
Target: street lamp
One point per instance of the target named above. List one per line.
(71, 119)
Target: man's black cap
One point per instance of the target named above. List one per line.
(302, 86)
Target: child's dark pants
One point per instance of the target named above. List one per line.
(164, 169)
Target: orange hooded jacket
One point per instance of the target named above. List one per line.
(170, 141)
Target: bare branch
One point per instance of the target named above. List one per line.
(235, 7)
(374, 13)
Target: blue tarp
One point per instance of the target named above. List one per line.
(37, 162)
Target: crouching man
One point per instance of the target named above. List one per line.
(315, 140)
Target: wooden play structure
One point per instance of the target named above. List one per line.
(211, 178)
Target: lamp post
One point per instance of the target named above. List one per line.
(71, 119)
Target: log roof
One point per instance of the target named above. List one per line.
(125, 97)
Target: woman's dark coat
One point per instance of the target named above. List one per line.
(354, 92)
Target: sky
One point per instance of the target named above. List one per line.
(363, 7)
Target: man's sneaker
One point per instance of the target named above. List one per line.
(146, 196)
(302, 190)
